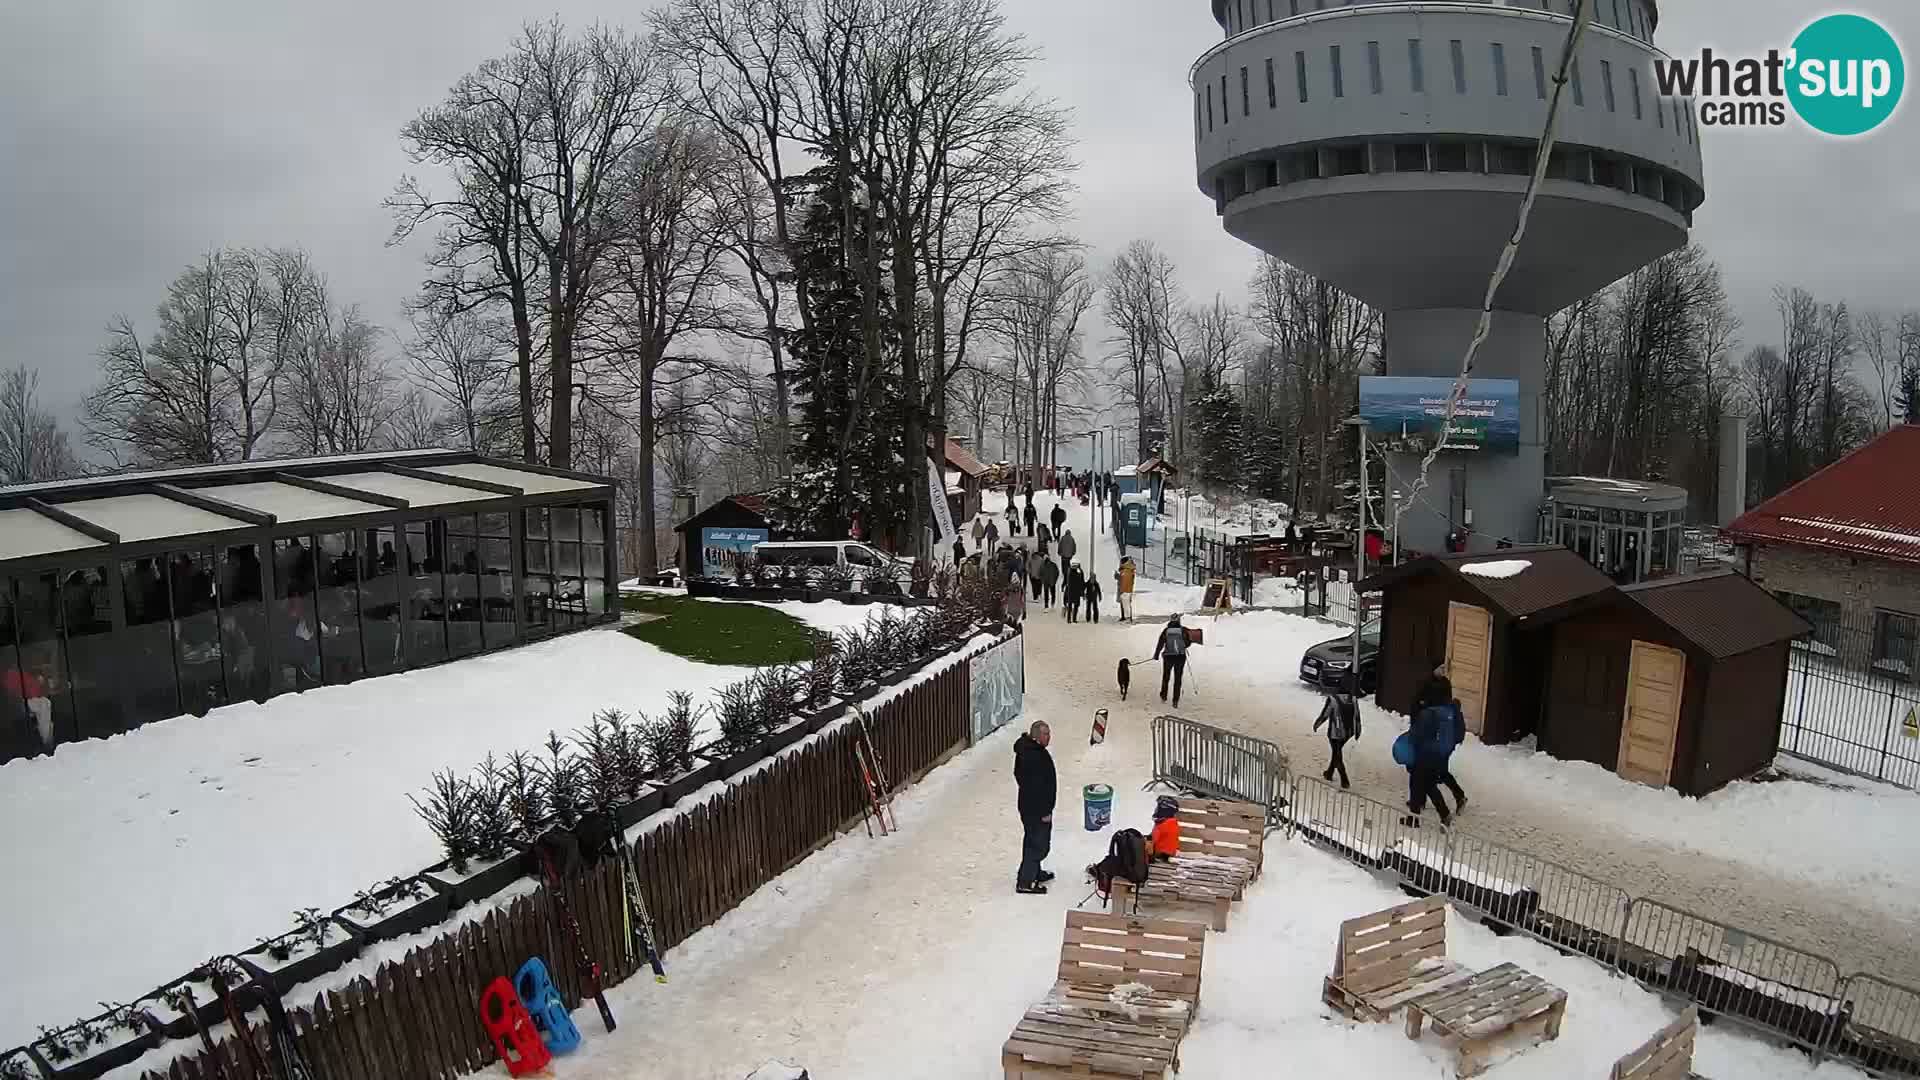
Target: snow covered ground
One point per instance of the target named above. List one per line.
(133, 858)
(909, 958)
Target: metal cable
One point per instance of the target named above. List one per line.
(1583, 15)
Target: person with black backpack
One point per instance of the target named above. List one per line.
(1341, 715)
(1033, 776)
(1127, 858)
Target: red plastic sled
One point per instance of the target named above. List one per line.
(511, 1028)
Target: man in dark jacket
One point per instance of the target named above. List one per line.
(1341, 715)
(1059, 517)
(1432, 735)
(1034, 777)
(1173, 643)
(1032, 516)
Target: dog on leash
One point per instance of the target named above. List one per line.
(1125, 674)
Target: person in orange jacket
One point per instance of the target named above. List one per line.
(1166, 829)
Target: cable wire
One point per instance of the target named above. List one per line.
(1583, 15)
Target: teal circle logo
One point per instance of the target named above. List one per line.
(1846, 76)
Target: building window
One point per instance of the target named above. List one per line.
(1240, 6)
(1293, 7)
(1633, 80)
(1209, 106)
(1539, 73)
(463, 586)
(1273, 92)
(537, 553)
(1824, 615)
(196, 632)
(37, 694)
(1414, 66)
(1618, 22)
(1246, 109)
(86, 610)
(1333, 61)
(1685, 109)
(1660, 113)
(1226, 111)
(1606, 82)
(338, 602)
(296, 635)
(1896, 643)
(1579, 95)
(1459, 66)
(1373, 66)
(1300, 73)
(1499, 69)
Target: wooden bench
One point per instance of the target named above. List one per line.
(1385, 959)
(1221, 852)
(1126, 993)
(1666, 1056)
(1490, 1007)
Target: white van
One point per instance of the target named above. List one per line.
(858, 558)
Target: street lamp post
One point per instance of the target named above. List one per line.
(1359, 552)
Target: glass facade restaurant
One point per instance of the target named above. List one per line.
(134, 598)
(1631, 530)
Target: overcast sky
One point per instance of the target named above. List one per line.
(135, 135)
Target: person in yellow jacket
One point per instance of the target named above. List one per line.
(1123, 588)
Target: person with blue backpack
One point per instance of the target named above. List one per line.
(1438, 727)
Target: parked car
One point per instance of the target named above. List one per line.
(1326, 664)
(814, 555)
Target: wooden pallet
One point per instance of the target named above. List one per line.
(1666, 1056)
(1086, 1026)
(1202, 881)
(1224, 833)
(1390, 957)
(1487, 1009)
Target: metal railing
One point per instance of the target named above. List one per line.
(1851, 687)
(1217, 762)
(1748, 979)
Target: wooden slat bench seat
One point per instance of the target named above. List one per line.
(1385, 959)
(1202, 880)
(1125, 994)
(1666, 1056)
(1216, 830)
(1494, 1005)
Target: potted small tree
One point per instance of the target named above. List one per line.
(742, 737)
(822, 680)
(780, 689)
(476, 829)
(316, 945)
(87, 1049)
(668, 740)
(859, 662)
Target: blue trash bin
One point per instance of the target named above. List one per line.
(1098, 799)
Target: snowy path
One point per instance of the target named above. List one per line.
(909, 957)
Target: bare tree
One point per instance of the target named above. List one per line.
(33, 448)
(1142, 294)
(1880, 344)
(460, 357)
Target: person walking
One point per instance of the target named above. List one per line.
(1031, 516)
(1076, 583)
(1123, 588)
(960, 550)
(1043, 533)
(1341, 715)
(1069, 547)
(1013, 516)
(992, 535)
(1037, 788)
(1049, 582)
(1432, 739)
(1059, 517)
(979, 530)
(1172, 647)
(1091, 599)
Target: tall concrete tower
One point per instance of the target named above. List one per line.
(1384, 145)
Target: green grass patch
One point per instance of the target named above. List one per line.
(715, 632)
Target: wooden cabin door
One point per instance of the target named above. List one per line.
(1656, 676)
(1469, 656)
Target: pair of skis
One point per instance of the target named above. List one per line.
(584, 964)
(286, 1062)
(873, 777)
(639, 925)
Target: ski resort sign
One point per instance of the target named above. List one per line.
(998, 687)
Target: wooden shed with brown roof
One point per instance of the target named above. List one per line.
(1486, 616)
(1674, 683)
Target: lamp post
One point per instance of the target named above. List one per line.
(1359, 552)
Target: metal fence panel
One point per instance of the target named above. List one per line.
(1538, 897)
(1850, 691)
(1881, 1031)
(1351, 825)
(1217, 762)
(1744, 978)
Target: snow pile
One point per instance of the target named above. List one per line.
(199, 835)
(1499, 568)
(828, 615)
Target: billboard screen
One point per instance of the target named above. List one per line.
(1404, 414)
(722, 549)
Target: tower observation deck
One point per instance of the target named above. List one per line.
(1385, 145)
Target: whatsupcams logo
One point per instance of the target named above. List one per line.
(1843, 76)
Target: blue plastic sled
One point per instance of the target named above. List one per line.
(544, 1004)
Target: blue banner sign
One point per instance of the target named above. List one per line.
(1404, 414)
(722, 549)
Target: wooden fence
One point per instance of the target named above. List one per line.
(418, 1018)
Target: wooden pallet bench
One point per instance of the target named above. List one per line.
(1125, 994)
(1224, 835)
(1666, 1056)
(1486, 1010)
(1386, 959)
(1201, 881)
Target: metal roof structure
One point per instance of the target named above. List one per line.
(1722, 613)
(149, 511)
(1609, 491)
(1867, 503)
(1554, 577)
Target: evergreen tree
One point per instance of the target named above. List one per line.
(1906, 404)
(1265, 473)
(1217, 424)
(832, 392)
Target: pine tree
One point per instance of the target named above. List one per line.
(1268, 447)
(830, 387)
(1907, 402)
(1217, 425)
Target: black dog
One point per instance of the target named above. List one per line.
(1125, 675)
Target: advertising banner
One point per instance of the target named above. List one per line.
(942, 513)
(998, 687)
(1404, 414)
(722, 549)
